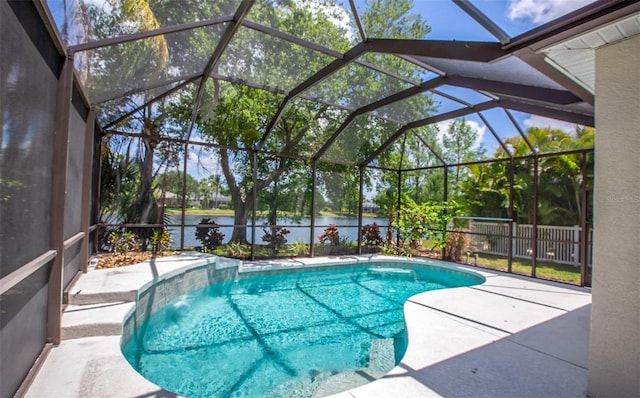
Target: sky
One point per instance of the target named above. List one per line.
(514, 17)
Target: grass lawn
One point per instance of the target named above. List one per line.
(544, 270)
(199, 212)
(229, 212)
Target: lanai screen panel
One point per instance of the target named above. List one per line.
(270, 61)
(445, 104)
(234, 115)
(284, 205)
(417, 107)
(355, 86)
(397, 67)
(424, 185)
(360, 139)
(28, 113)
(321, 22)
(465, 95)
(511, 70)
(304, 127)
(550, 135)
(140, 63)
(109, 112)
(415, 149)
(337, 194)
(521, 17)
(81, 21)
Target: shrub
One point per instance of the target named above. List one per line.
(392, 250)
(428, 220)
(238, 250)
(276, 238)
(331, 235)
(371, 234)
(160, 240)
(124, 242)
(456, 244)
(208, 233)
(299, 249)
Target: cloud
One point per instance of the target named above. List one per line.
(541, 11)
(543, 122)
(202, 164)
(480, 130)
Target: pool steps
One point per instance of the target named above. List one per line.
(98, 304)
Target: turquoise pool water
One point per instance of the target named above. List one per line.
(285, 334)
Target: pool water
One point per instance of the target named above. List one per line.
(286, 334)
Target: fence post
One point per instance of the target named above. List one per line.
(576, 245)
(515, 241)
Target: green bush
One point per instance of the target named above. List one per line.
(426, 221)
(207, 232)
(160, 240)
(299, 249)
(124, 242)
(389, 249)
(276, 238)
(238, 250)
(371, 234)
(330, 235)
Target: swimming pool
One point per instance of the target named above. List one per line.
(297, 333)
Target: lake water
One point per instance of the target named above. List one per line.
(300, 230)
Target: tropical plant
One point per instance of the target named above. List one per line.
(371, 234)
(276, 238)
(426, 221)
(457, 242)
(208, 233)
(299, 248)
(389, 249)
(160, 240)
(330, 235)
(122, 243)
(238, 250)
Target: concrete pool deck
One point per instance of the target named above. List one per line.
(509, 337)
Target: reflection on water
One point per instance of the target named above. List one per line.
(300, 230)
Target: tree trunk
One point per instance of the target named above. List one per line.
(241, 214)
(144, 201)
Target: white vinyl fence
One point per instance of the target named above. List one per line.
(557, 244)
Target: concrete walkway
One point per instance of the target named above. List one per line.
(509, 337)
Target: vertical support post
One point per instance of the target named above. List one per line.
(445, 193)
(445, 197)
(511, 215)
(58, 198)
(98, 209)
(534, 214)
(398, 205)
(314, 178)
(584, 226)
(576, 249)
(254, 198)
(85, 211)
(360, 208)
(183, 211)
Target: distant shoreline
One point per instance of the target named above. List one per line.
(229, 213)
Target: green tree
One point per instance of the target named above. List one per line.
(139, 60)
(172, 181)
(458, 143)
(236, 116)
(485, 189)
